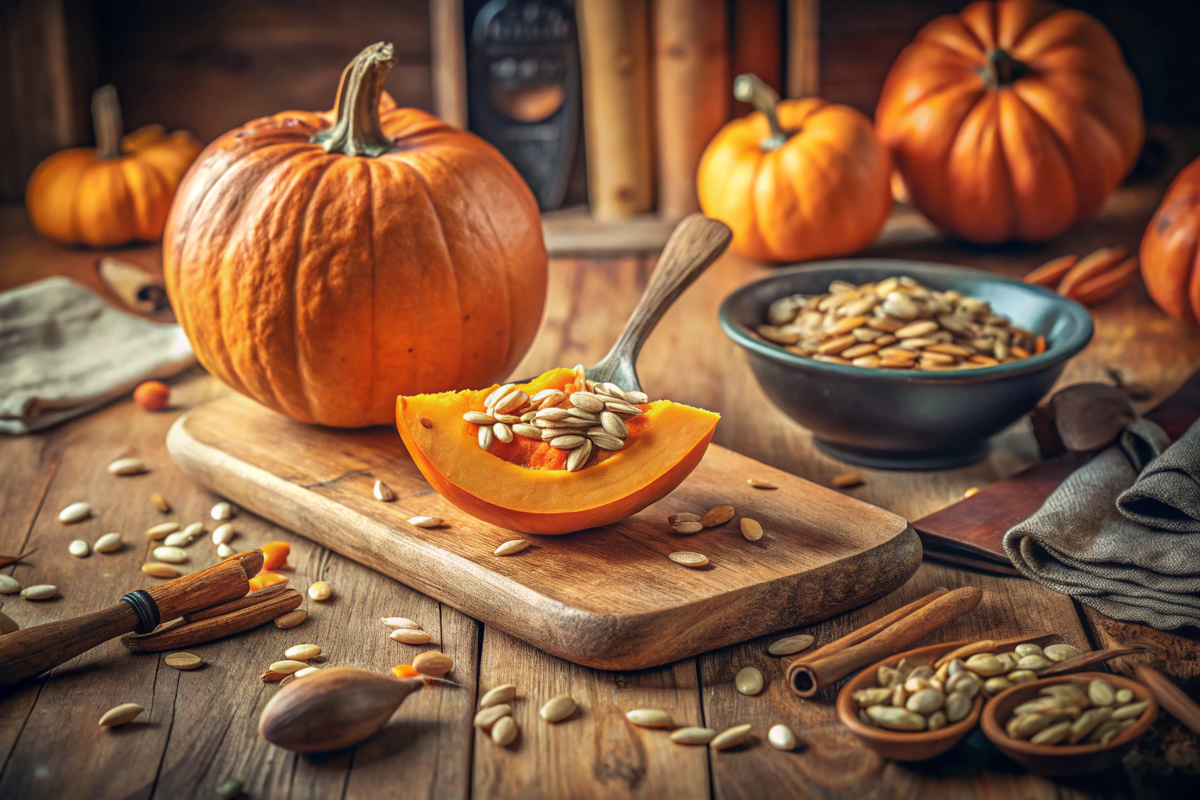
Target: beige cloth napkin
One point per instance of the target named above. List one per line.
(64, 352)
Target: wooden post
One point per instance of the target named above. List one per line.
(757, 42)
(691, 63)
(804, 32)
(447, 40)
(614, 50)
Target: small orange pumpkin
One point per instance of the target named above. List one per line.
(119, 192)
(1011, 120)
(325, 266)
(797, 179)
(1170, 248)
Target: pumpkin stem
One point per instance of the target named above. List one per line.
(1001, 69)
(356, 130)
(750, 89)
(106, 119)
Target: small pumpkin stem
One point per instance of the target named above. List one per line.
(750, 89)
(1001, 69)
(106, 119)
(356, 130)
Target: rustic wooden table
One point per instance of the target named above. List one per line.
(200, 727)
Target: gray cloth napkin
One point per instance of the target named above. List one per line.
(1122, 533)
(64, 352)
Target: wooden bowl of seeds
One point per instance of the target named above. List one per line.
(1070, 724)
(898, 743)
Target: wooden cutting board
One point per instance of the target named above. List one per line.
(608, 597)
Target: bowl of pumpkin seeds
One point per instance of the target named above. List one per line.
(1070, 724)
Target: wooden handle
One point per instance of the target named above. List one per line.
(218, 627)
(32, 651)
(696, 242)
(1085, 660)
(809, 676)
(1168, 695)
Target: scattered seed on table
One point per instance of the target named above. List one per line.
(79, 548)
(650, 718)
(512, 547)
(486, 717)
(751, 529)
(171, 555)
(76, 512)
(684, 526)
(302, 652)
(757, 484)
(846, 480)
(426, 522)
(688, 559)
(320, 591)
(558, 708)
(291, 619)
(223, 533)
(693, 735)
(9, 585)
(179, 539)
(274, 677)
(300, 673)
(433, 663)
(183, 661)
(504, 732)
(223, 511)
(504, 693)
(160, 503)
(401, 622)
(42, 591)
(730, 737)
(384, 492)
(225, 551)
(407, 636)
(157, 570)
(287, 666)
(230, 789)
(127, 466)
(160, 531)
(120, 715)
(717, 516)
(749, 681)
(781, 737)
(790, 644)
(108, 543)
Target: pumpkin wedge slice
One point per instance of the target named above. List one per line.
(523, 485)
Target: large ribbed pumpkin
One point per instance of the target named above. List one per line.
(324, 269)
(1011, 120)
(1170, 254)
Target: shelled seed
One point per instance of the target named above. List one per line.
(9, 584)
(42, 591)
(76, 512)
(400, 622)
(749, 681)
(693, 735)
(752, 531)
(225, 551)
(433, 663)
(504, 732)
(790, 645)
(223, 511)
(650, 718)
(178, 539)
(718, 515)
(171, 555)
(407, 636)
(291, 619)
(781, 737)
(512, 547)
(486, 717)
(302, 652)
(300, 673)
(688, 559)
(161, 530)
(223, 533)
(158, 570)
(505, 693)
(287, 667)
(120, 715)
(159, 502)
(320, 591)
(79, 548)
(108, 543)
(730, 737)
(558, 708)
(759, 484)
(426, 522)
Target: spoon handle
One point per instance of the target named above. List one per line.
(695, 244)
(1169, 696)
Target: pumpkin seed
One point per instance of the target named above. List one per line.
(1032, 662)
(183, 661)
(896, 719)
(426, 522)
(179, 539)
(157, 570)
(485, 718)
(1026, 725)
(558, 708)
(996, 685)
(486, 437)
(1101, 692)
(528, 431)
(223, 511)
(968, 686)
(1088, 722)
(504, 732)
(790, 644)
(1060, 652)
(1021, 676)
(1123, 696)
(76, 512)
(302, 652)
(935, 720)
(108, 543)
(160, 503)
(408, 636)
(873, 696)
(223, 533)
(79, 548)
(552, 414)
(958, 706)
(383, 492)
(586, 401)
(749, 681)
(757, 484)
(730, 737)
(287, 667)
(751, 530)
(614, 424)
(160, 531)
(171, 555)
(120, 715)
(637, 398)
(433, 663)
(606, 442)
(478, 418)
(568, 442)
(578, 457)
(43, 591)
(1130, 711)
(650, 718)
(623, 408)
(225, 551)
(300, 673)
(692, 735)
(291, 619)
(925, 701)
(502, 432)
(127, 466)
(9, 584)
(504, 693)
(320, 591)
(497, 393)
(512, 547)
(846, 480)
(781, 737)
(511, 402)
(579, 414)
(1053, 734)
(985, 664)
(1028, 650)
(548, 397)
(685, 526)
(400, 622)
(718, 515)
(687, 559)
(7, 625)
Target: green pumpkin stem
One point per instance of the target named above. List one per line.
(356, 130)
(1001, 69)
(750, 89)
(106, 120)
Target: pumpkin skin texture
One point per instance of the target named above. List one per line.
(822, 191)
(1169, 255)
(523, 485)
(393, 255)
(117, 193)
(1011, 120)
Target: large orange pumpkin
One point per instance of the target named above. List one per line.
(797, 179)
(1011, 120)
(119, 192)
(325, 268)
(1170, 256)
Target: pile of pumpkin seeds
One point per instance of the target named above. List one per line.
(1069, 713)
(582, 416)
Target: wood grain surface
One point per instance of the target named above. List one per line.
(199, 727)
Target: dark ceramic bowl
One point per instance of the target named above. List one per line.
(907, 419)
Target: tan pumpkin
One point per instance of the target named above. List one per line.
(1170, 248)
(117, 193)
(326, 268)
(1011, 120)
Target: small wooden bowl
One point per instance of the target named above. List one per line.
(901, 745)
(1060, 760)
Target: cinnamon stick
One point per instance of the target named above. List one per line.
(810, 675)
(191, 633)
(1169, 696)
(869, 630)
(250, 599)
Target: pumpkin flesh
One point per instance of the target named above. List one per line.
(524, 485)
